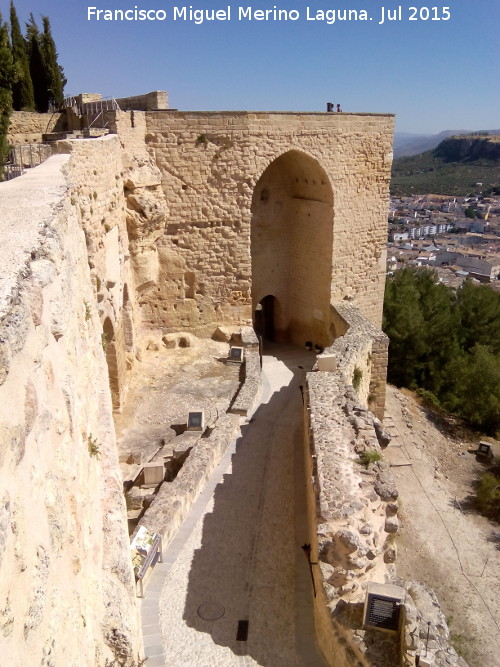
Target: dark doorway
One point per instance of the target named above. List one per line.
(264, 317)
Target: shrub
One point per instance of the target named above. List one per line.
(369, 456)
(357, 376)
(88, 312)
(488, 496)
(93, 447)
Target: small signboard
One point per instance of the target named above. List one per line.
(484, 449)
(488, 450)
(236, 355)
(383, 605)
(143, 549)
(195, 420)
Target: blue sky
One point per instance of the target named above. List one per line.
(434, 75)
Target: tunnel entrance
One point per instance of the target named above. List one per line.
(264, 317)
(291, 249)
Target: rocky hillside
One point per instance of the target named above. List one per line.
(459, 165)
(469, 148)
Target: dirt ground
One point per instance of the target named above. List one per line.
(165, 385)
(443, 542)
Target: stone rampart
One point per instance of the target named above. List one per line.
(155, 101)
(96, 171)
(66, 581)
(355, 514)
(28, 126)
(189, 221)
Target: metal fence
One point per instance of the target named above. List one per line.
(25, 156)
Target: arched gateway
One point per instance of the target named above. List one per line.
(291, 248)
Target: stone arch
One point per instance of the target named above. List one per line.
(127, 319)
(292, 245)
(114, 363)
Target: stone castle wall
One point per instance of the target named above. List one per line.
(190, 220)
(66, 584)
(353, 509)
(95, 174)
(335, 168)
(154, 101)
(361, 351)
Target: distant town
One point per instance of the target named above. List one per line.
(459, 237)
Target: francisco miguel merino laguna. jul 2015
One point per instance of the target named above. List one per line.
(191, 14)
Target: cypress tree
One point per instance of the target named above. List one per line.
(22, 86)
(38, 70)
(54, 72)
(5, 91)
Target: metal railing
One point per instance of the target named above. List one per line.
(98, 106)
(25, 156)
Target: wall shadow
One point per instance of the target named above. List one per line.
(245, 568)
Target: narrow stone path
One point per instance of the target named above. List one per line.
(237, 557)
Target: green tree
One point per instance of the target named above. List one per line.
(437, 304)
(470, 212)
(38, 71)
(54, 72)
(476, 392)
(479, 311)
(5, 91)
(404, 324)
(22, 86)
(445, 343)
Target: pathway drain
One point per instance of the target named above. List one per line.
(242, 632)
(211, 611)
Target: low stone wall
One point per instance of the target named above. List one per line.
(361, 352)
(248, 396)
(174, 499)
(353, 510)
(250, 391)
(356, 512)
(28, 126)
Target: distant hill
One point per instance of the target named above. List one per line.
(406, 144)
(454, 167)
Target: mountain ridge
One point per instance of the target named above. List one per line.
(458, 165)
(408, 143)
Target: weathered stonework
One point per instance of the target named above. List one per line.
(353, 508)
(195, 222)
(28, 127)
(66, 578)
(232, 180)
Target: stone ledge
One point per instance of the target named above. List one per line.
(251, 388)
(174, 499)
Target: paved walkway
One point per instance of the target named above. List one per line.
(237, 557)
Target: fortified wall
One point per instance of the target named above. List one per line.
(67, 591)
(182, 221)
